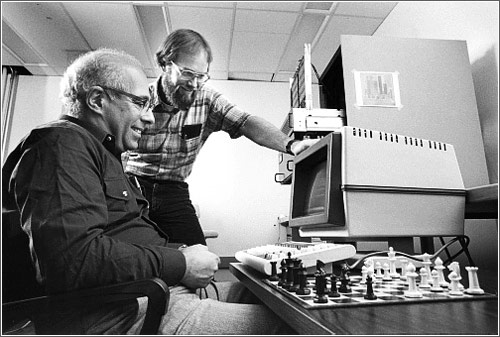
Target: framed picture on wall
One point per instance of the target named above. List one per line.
(379, 89)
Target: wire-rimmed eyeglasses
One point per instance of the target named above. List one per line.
(190, 75)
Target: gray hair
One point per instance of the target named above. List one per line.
(99, 67)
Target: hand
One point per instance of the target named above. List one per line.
(201, 266)
(302, 145)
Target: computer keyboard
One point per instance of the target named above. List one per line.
(260, 257)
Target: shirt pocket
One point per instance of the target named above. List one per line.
(118, 198)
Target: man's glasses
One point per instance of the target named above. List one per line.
(144, 103)
(190, 75)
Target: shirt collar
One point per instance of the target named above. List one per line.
(158, 104)
(106, 139)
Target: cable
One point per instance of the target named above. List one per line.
(463, 239)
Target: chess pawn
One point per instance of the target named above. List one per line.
(283, 274)
(274, 273)
(454, 284)
(438, 266)
(474, 288)
(378, 272)
(386, 276)
(404, 264)
(370, 295)
(427, 263)
(302, 275)
(392, 264)
(455, 267)
(424, 279)
(412, 282)
(333, 287)
(320, 280)
(435, 282)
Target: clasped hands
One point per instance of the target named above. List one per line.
(201, 266)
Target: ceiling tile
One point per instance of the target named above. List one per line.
(20, 49)
(305, 32)
(256, 52)
(244, 76)
(265, 21)
(329, 41)
(374, 9)
(213, 4)
(112, 25)
(46, 27)
(295, 6)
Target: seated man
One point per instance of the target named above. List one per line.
(88, 225)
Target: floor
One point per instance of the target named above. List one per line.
(224, 275)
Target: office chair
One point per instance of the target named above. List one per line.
(207, 233)
(23, 299)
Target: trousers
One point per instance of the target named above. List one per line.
(171, 208)
(223, 308)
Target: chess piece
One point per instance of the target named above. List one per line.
(378, 272)
(455, 266)
(404, 263)
(427, 263)
(296, 281)
(282, 280)
(364, 271)
(438, 266)
(474, 288)
(302, 275)
(386, 276)
(454, 284)
(320, 278)
(392, 264)
(333, 287)
(344, 280)
(424, 279)
(370, 295)
(412, 282)
(289, 272)
(435, 282)
(274, 273)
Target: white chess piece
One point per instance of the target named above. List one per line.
(435, 282)
(474, 287)
(454, 284)
(378, 272)
(455, 266)
(412, 282)
(392, 264)
(424, 279)
(404, 263)
(386, 276)
(438, 266)
(427, 263)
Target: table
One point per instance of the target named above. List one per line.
(467, 317)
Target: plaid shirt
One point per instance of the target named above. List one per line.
(167, 149)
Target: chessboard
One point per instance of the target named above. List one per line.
(386, 292)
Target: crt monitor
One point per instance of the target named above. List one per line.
(360, 183)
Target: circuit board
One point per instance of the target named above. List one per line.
(387, 292)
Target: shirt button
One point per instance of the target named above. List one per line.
(125, 194)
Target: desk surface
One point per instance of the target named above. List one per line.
(467, 317)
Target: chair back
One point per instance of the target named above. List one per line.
(18, 273)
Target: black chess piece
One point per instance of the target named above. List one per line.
(320, 277)
(289, 272)
(282, 280)
(370, 295)
(274, 273)
(333, 287)
(344, 280)
(303, 289)
(296, 280)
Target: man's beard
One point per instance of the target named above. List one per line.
(180, 97)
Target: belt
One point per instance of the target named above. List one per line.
(162, 182)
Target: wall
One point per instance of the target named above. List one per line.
(232, 180)
(477, 24)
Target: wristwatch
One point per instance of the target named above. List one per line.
(289, 146)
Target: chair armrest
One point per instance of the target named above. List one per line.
(154, 289)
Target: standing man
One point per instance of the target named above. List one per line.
(88, 224)
(186, 113)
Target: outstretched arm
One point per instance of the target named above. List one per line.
(266, 134)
